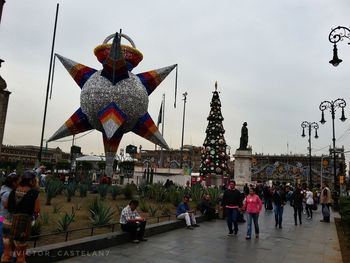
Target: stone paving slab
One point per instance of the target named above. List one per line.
(310, 242)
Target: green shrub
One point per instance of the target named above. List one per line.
(65, 221)
(344, 203)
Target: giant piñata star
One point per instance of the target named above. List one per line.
(113, 100)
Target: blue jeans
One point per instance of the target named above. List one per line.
(255, 218)
(278, 215)
(232, 216)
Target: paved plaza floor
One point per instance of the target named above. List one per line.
(313, 241)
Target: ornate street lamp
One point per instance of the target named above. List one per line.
(310, 126)
(332, 106)
(337, 34)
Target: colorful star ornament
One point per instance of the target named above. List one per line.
(113, 100)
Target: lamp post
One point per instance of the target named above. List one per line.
(332, 106)
(183, 127)
(310, 126)
(337, 34)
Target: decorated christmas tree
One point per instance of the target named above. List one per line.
(214, 157)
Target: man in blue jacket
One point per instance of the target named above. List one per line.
(183, 211)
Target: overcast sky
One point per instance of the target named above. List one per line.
(270, 59)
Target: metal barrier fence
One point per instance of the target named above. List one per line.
(92, 229)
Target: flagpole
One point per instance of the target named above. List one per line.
(161, 148)
(48, 88)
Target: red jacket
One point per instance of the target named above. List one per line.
(252, 204)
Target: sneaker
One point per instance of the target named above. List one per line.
(230, 234)
(135, 241)
(308, 218)
(195, 225)
(280, 227)
(189, 227)
(236, 232)
(247, 237)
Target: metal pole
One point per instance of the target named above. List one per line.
(48, 87)
(336, 188)
(161, 149)
(310, 169)
(183, 128)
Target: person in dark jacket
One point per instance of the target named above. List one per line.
(297, 203)
(206, 207)
(232, 203)
(279, 199)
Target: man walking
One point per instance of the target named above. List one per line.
(279, 199)
(232, 202)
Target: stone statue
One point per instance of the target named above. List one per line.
(244, 137)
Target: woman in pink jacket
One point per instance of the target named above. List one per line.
(253, 207)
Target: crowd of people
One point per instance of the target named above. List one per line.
(234, 204)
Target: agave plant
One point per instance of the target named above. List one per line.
(214, 193)
(115, 191)
(65, 221)
(44, 218)
(56, 209)
(153, 210)
(101, 214)
(70, 191)
(176, 195)
(197, 192)
(128, 191)
(102, 189)
(143, 206)
(53, 187)
(83, 188)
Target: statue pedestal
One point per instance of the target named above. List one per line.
(243, 165)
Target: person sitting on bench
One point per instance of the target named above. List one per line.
(206, 207)
(132, 222)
